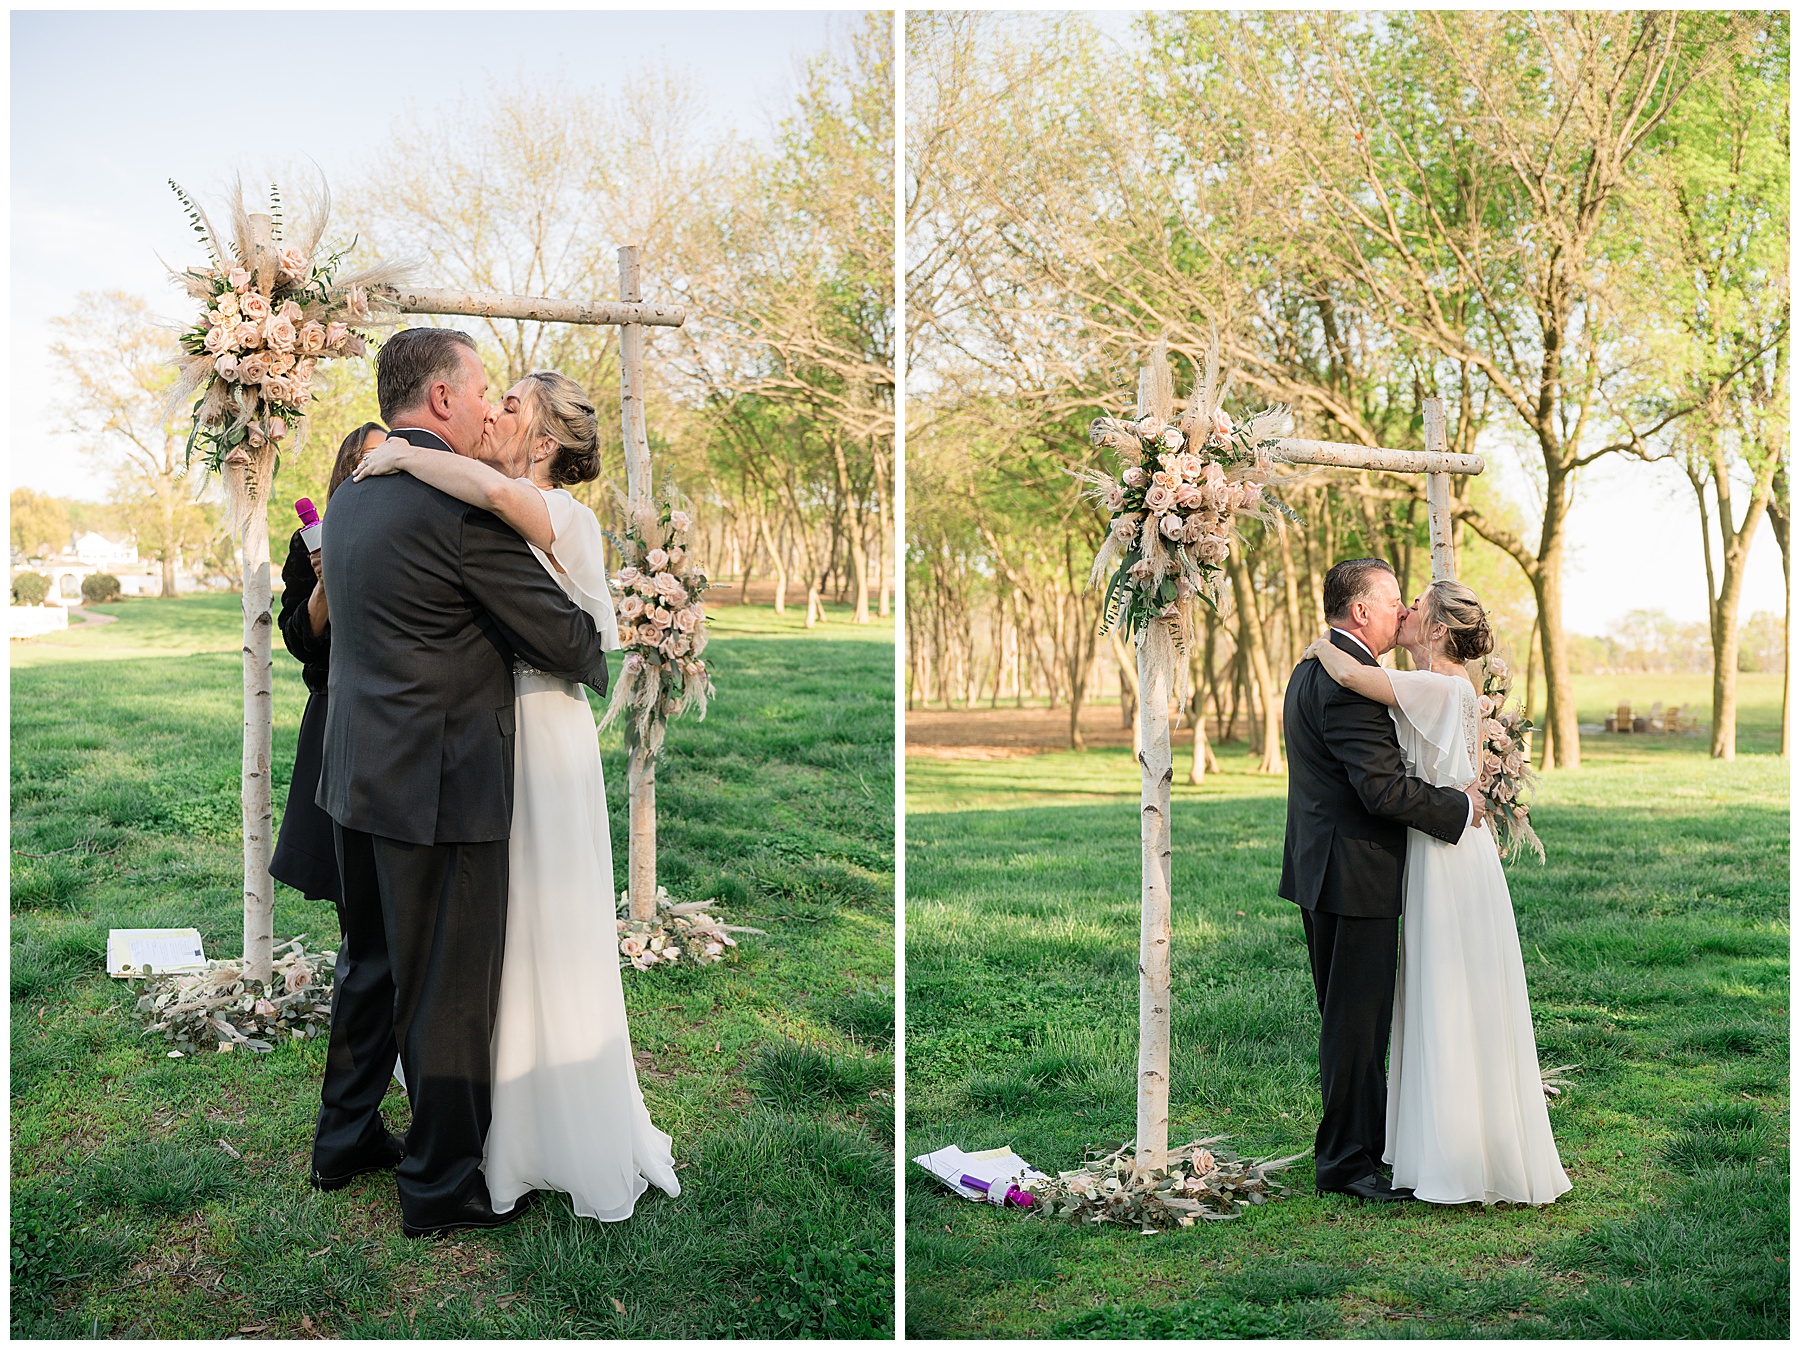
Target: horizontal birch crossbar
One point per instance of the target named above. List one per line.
(1341, 455)
(494, 305)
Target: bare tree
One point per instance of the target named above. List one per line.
(116, 360)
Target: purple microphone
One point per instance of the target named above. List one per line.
(1013, 1196)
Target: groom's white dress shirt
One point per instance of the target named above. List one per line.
(1365, 646)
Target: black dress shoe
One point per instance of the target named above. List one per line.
(1373, 1187)
(475, 1212)
(384, 1158)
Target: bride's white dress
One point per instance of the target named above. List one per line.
(1466, 1118)
(568, 1115)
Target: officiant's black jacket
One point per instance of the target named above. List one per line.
(431, 600)
(1350, 799)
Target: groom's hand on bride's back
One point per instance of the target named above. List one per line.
(1479, 803)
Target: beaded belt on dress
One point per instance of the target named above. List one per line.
(520, 668)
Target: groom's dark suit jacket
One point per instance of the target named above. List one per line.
(431, 600)
(1350, 799)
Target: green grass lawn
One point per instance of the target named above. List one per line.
(1656, 943)
(774, 1075)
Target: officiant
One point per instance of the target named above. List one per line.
(305, 857)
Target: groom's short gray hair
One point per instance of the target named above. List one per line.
(413, 360)
(1348, 582)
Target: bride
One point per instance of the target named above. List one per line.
(1466, 1118)
(568, 1114)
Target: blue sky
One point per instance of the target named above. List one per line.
(101, 117)
(107, 106)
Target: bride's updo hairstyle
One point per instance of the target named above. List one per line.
(561, 411)
(1454, 605)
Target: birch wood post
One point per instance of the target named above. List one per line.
(1437, 496)
(1158, 763)
(640, 769)
(258, 806)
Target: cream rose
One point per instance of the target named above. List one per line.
(1190, 467)
(226, 366)
(1189, 496)
(630, 608)
(238, 278)
(631, 947)
(279, 333)
(311, 337)
(1126, 526)
(1135, 477)
(648, 635)
(253, 369)
(662, 618)
(1221, 422)
(1211, 474)
(292, 261)
(1172, 526)
(1213, 549)
(280, 363)
(676, 554)
(278, 428)
(278, 389)
(627, 575)
(1162, 478)
(216, 340)
(355, 346)
(335, 334)
(255, 305)
(681, 520)
(1113, 497)
(1159, 499)
(657, 559)
(686, 620)
(228, 304)
(291, 311)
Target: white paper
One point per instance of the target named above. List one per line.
(951, 1165)
(129, 950)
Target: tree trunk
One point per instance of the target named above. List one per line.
(259, 694)
(1250, 626)
(778, 562)
(1155, 653)
(1778, 522)
(859, 558)
(1562, 735)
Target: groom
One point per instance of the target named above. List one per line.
(1350, 802)
(431, 602)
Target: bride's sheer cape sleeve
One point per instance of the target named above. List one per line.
(581, 549)
(1428, 721)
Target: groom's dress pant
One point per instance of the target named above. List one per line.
(424, 930)
(1353, 963)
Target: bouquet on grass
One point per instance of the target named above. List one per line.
(1504, 774)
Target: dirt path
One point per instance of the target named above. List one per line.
(1007, 733)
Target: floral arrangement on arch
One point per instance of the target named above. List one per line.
(1173, 504)
(270, 315)
(1504, 774)
(662, 625)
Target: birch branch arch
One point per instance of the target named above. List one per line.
(1156, 759)
(631, 314)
